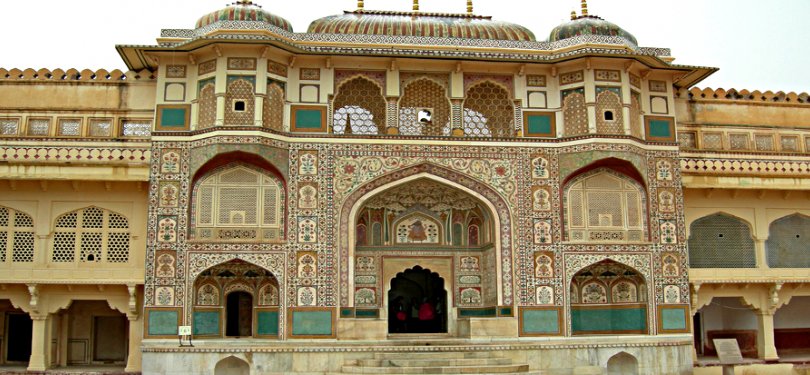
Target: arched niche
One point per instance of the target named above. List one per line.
(608, 297)
(232, 366)
(622, 364)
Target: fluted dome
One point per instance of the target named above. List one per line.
(442, 25)
(244, 10)
(589, 25)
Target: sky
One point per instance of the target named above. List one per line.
(758, 45)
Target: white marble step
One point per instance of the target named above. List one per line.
(436, 355)
(407, 361)
(486, 369)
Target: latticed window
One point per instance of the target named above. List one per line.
(239, 103)
(787, 244)
(429, 98)
(359, 108)
(609, 116)
(91, 235)
(575, 113)
(488, 111)
(721, 241)
(207, 104)
(273, 110)
(239, 203)
(607, 207)
(16, 236)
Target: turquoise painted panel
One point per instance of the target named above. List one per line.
(541, 321)
(673, 319)
(307, 119)
(268, 323)
(368, 313)
(477, 312)
(317, 323)
(206, 323)
(539, 125)
(506, 311)
(162, 323)
(660, 129)
(346, 313)
(608, 320)
(173, 117)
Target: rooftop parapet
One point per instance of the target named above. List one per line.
(708, 93)
(85, 75)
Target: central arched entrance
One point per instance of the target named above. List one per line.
(417, 302)
(239, 315)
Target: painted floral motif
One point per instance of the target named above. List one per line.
(307, 230)
(307, 296)
(165, 266)
(540, 200)
(351, 172)
(594, 293)
(543, 267)
(539, 168)
(365, 264)
(666, 201)
(545, 295)
(470, 296)
(164, 296)
(170, 162)
(624, 291)
(307, 197)
(169, 192)
(365, 297)
(268, 295)
(307, 265)
(668, 232)
(167, 229)
(670, 265)
(542, 231)
(672, 294)
(208, 295)
(664, 169)
(308, 163)
(470, 264)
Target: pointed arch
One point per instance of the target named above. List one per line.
(359, 107)
(16, 236)
(424, 92)
(497, 206)
(232, 365)
(91, 235)
(488, 110)
(622, 363)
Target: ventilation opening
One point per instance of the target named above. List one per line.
(425, 115)
(609, 116)
(239, 106)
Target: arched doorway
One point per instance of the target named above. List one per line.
(236, 299)
(239, 315)
(622, 364)
(417, 302)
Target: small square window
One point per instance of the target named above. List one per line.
(239, 106)
(609, 116)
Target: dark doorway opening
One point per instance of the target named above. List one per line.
(19, 328)
(240, 315)
(417, 302)
(110, 339)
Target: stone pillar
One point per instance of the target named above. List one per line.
(220, 120)
(457, 118)
(39, 349)
(759, 251)
(135, 336)
(258, 110)
(766, 348)
(62, 340)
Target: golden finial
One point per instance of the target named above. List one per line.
(360, 5)
(573, 15)
(415, 5)
(469, 7)
(584, 8)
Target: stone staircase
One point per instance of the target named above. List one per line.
(436, 362)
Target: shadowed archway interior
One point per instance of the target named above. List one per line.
(417, 302)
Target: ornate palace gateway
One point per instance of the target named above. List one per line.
(399, 192)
